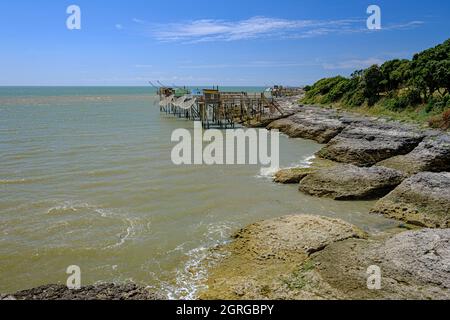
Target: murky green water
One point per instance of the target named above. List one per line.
(86, 179)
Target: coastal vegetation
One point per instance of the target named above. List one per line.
(416, 89)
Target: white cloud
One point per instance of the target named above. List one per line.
(119, 26)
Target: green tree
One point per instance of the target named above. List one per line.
(395, 72)
(443, 76)
(371, 83)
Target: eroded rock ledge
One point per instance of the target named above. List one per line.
(423, 200)
(349, 182)
(96, 292)
(366, 141)
(432, 154)
(310, 257)
(365, 145)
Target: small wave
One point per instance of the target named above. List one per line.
(306, 162)
(68, 206)
(267, 172)
(104, 212)
(17, 181)
(123, 237)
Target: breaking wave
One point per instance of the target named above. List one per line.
(192, 276)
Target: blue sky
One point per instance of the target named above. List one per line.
(243, 42)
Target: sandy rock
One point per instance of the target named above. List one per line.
(423, 199)
(366, 145)
(265, 253)
(413, 265)
(281, 237)
(419, 256)
(309, 257)
(96, 292)
(291, 175)
(432, 154)
(349, 182)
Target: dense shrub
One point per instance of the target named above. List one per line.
(399, 84)
(354, 98)
(338, 91)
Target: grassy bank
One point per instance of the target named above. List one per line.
(414, 114)
(416, 90)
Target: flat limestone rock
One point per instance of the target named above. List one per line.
(413, 264)
(262, 254)
(368, 144)
(96, 292)
(309, 257)
(349, 182)
(423, 199)
(312, 123)
(281, 237)
(420, 256)
(432, 154)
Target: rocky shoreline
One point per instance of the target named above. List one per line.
(402, 166)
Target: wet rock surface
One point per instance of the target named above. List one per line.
(95, 292)
(349, 182)
(423, 200)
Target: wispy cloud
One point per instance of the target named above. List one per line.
(136, 20)
(353, 64)
(251, 64)
(404, 26)
(343, 64)
(206, 30)
(143, 66)
(119, 26)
